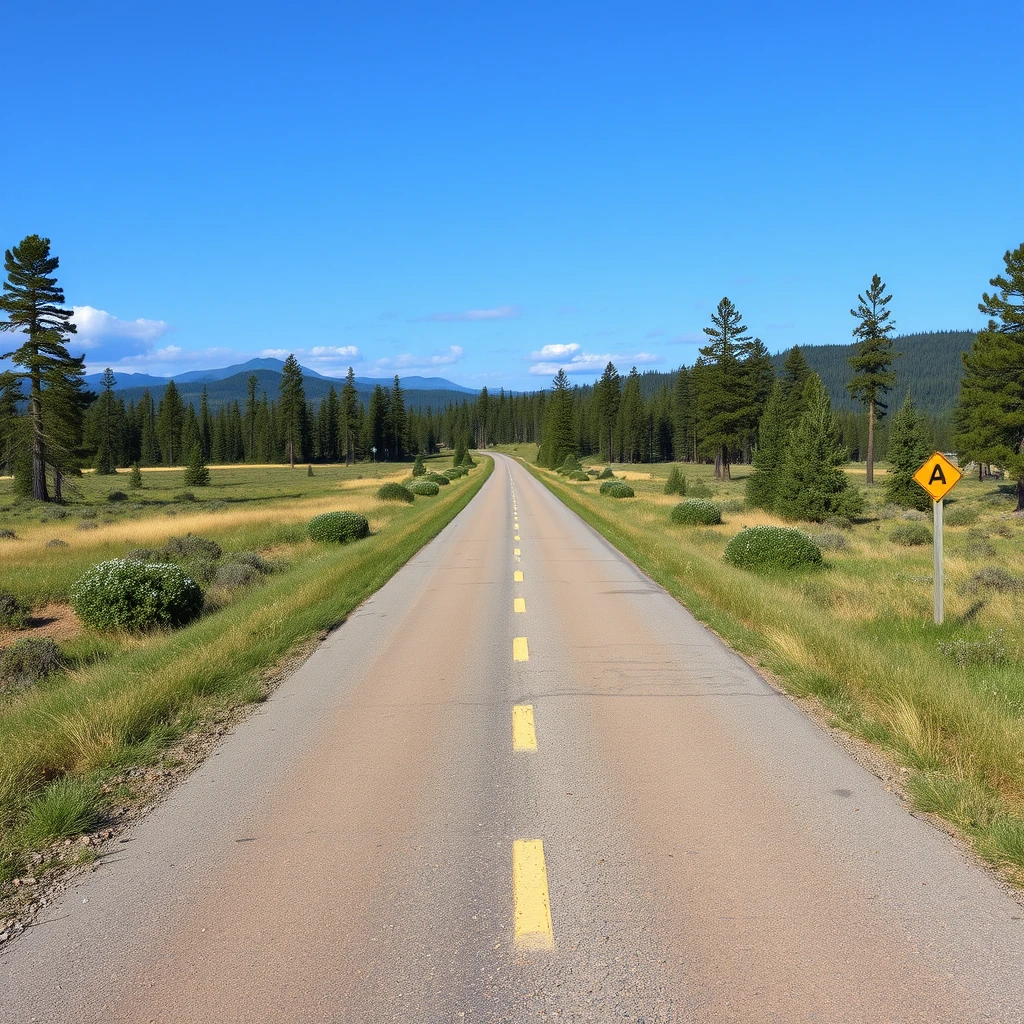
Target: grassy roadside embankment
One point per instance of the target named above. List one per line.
(127, 698)
(946, 703)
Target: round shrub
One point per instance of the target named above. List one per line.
(136, 595)
(960, 515)
(455, 472)
(831, 540)
(337, 527)
(697, 512)
(29, 660)
(184, 496)
(910, 534)
(117, 496)
(698, 489)
(914, 515)
(579, 476)
(438, 478)
(56, 543)
(838, 522)
(8, 535)
(606, 474)
(772, 547)
(993, 577)
(619, 489)
(395, 492)
(13, 614)
(425, 487)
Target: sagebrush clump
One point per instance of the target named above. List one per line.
(697, 512)
(128, 594)
(772, 547)
(338, 527)
(13, 614)
(960, 515)
(910, 534)
(29, 660)
(395, 492)
(993, 577)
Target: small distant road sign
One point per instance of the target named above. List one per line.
(938, 476)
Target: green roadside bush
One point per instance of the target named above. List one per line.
(772, 547)
(697, 512)
(425, 487)
(13, 614)
(27, 661)
(455, 473)
(676, 482)
(619, 489)
(128, 594)
(910, 535)
(438, 478)
(606, 474)
(570, 465)
(338, 527)
(395, 492)
(579, 476)
(960, 515)
(418, 469)
(607, 484)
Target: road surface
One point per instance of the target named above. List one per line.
(522, 784)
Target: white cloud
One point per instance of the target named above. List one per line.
(498, 313)
(646, 357)
(169, 353)
(554, 351)
(586, 362)
(411, 361)
(333, 351)
(275, 353)
(96, 325)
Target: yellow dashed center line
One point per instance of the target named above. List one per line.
(517, 576)
(516, 552)
(520, 649)
(519, 604)
(524, 736)
(530, 885)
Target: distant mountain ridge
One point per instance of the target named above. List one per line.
(128, 381)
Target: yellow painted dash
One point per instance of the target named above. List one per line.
(524, 736)
(517, 576)
(516, 537)
(530, 890)
(519, 604)
(520, 649)
(516, 552)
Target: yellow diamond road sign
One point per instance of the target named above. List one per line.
(938, 476)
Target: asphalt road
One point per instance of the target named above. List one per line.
(673, 841)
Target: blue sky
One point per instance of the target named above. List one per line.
(486, 192)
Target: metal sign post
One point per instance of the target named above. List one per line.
(938, 476)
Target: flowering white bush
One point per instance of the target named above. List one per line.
(136, 595)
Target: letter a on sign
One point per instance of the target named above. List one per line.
(938, 476)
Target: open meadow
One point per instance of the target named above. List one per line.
(856, 636)
(116, 700)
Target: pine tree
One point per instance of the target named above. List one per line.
(758, 380)
(418, 469)
(483, 409)
(772, 438)
(349, 421)
(205, 426)
(397, 421)
(792, 381)
(909, 445)
(196, 472)
(607, 396)
(292, 408)
(872, 377)
(170, 418)
(990, 410)
(559, 436)
(812, 485)
(684, 417)
(135, 477)
(721, 400)
(33, 303)
(105, 427)
(632, 419)
(252, 383)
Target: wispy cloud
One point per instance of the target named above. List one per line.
(112, 338)
(333, 351)
(473, 315)
(592, 363)
(414, 361)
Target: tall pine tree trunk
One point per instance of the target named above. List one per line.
(39, 491)
(726, 472)
(871, 443)
(58, 484)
